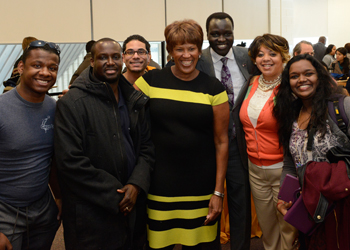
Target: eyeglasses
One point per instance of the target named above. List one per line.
(140, 52)
(40, 44)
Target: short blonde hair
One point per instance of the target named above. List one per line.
(181, 32)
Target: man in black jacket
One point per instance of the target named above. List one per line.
(104, 153)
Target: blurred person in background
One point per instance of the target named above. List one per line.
(329, 55)
(341, 64)
(303, 47)
(85, 63)
(14, 79)
(320, 48)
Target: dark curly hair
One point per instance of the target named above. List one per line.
(138, 38)
(287, 107)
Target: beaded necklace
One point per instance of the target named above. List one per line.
(265, 85)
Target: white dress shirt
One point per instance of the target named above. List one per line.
(236, 75)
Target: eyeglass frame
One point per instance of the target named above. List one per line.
(41, 43)
(136, 51)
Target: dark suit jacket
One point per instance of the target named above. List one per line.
(319, 50)
(205, 64)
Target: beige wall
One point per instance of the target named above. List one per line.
(251, 17)
(63, 21)
(310, 18)
(338, 22)
(188, 9)
(119, 19)
(68, 21)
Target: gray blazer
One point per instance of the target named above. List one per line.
(246, 66)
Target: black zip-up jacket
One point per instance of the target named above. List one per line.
(90, 155)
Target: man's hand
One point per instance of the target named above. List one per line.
(127, 204)
(4, 243)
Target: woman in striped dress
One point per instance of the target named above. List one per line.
(189, 116)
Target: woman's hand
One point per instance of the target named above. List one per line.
(221, 119)
(215, 209)
(283, 206)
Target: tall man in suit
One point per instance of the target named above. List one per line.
(238, 65)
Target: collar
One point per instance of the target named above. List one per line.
(216, 57)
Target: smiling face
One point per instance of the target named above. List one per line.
(107, 61)
(303, 79)
(269, 63)
(136, 63)
(185, 57)
(220, 35)
(38, 74)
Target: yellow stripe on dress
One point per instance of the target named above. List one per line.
(188, 237)
(142, 85)
(179, 198)
(177, 214)
(181, 95)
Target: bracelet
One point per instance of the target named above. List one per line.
(280, 202)
(217, 193)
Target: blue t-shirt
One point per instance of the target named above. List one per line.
(26, 148)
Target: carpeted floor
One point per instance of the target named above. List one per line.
(58, 243)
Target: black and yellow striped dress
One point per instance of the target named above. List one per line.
(185, 170)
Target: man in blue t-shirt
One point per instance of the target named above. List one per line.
(29, 217)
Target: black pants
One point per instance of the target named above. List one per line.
(238, 198)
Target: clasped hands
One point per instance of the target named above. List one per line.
(130, 192)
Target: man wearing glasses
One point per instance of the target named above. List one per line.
(104, 153)
(136, 57)
(29, 217)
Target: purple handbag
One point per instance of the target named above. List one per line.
(290, 189)
(299, 217)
